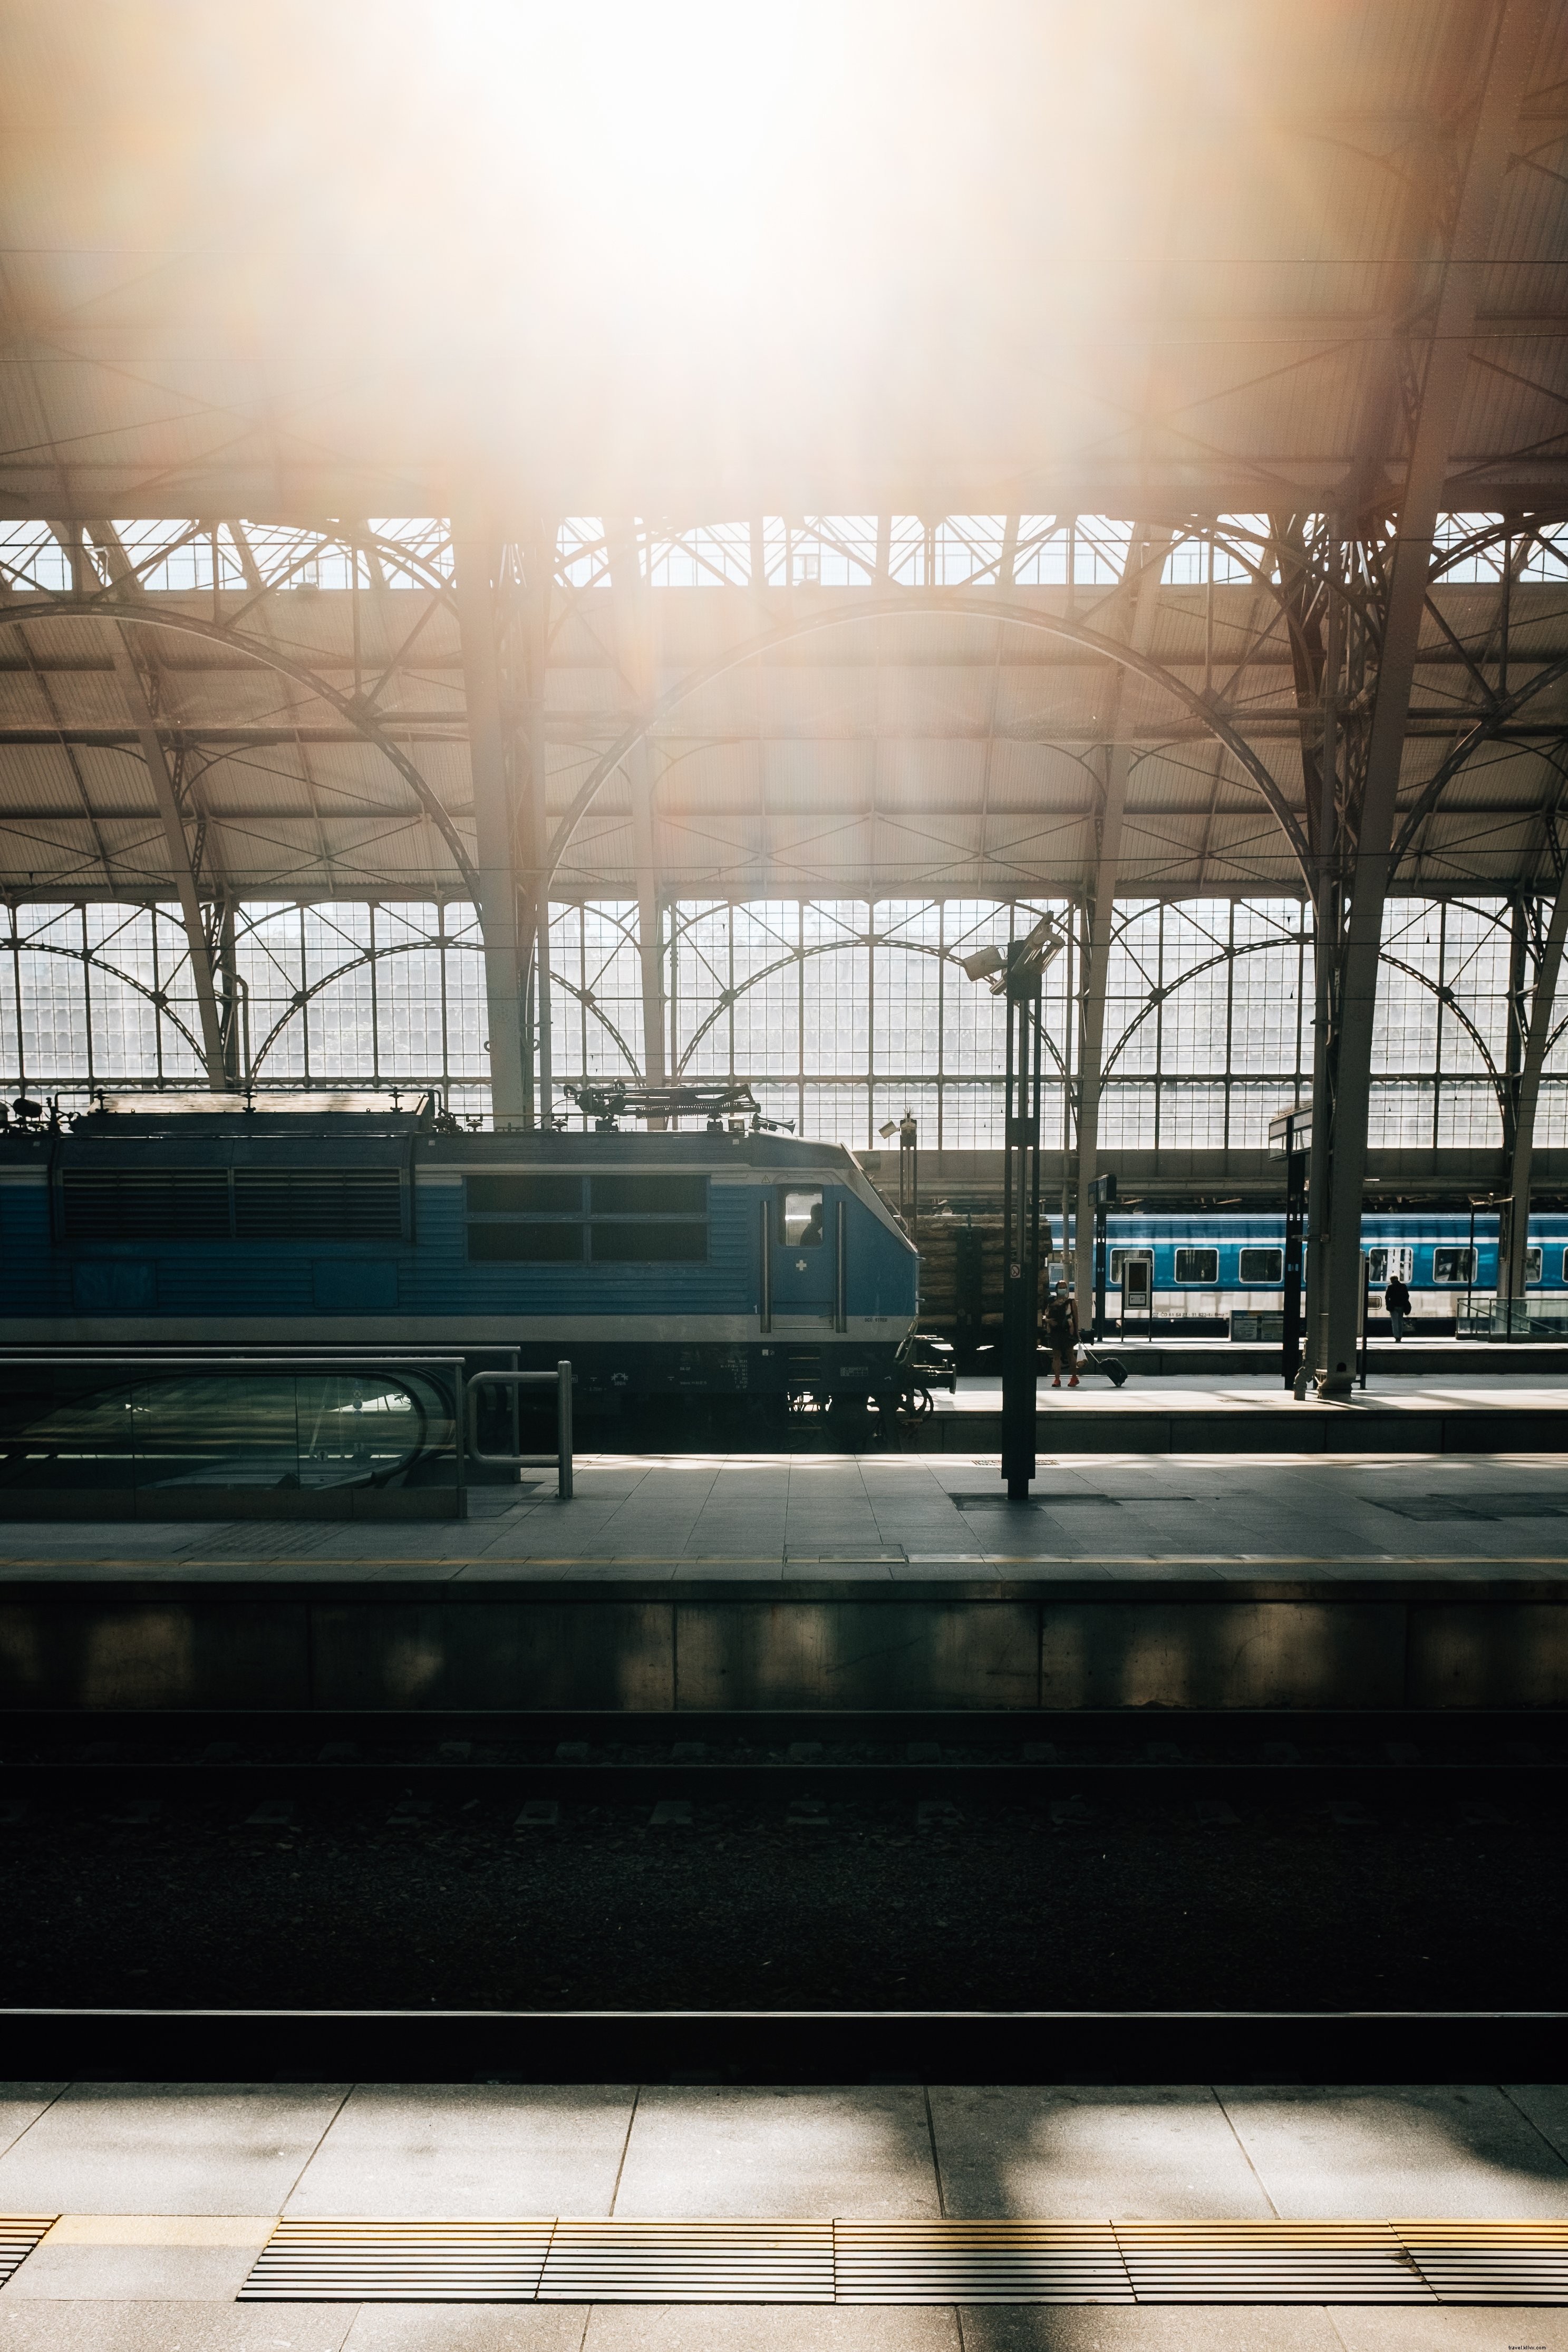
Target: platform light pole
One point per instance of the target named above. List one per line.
(1016, 972)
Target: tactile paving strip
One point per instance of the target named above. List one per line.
(400, 2262)
(689, 2261)
(19, 2233)
(1268, 2261)
(1490, 2262)
(978, 2261)
(936, 2262)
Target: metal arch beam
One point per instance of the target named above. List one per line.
(191, 625)
(957, 603)
(93, 961)
(252, 570)
(1209, 963)
(1485, 731)
(494, 824)
(382, 955)
(1516, 38)
(139, 694)
(1139, 594)
(173, 822)
(793, 956)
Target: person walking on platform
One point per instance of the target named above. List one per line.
(1061, 1335)
(1396, 1298)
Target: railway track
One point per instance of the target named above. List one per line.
(612, 1758)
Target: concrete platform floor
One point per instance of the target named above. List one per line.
(168, 2192)
(891, 1517)
(1388, 1388)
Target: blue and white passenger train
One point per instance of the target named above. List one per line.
(1225, 1260)
(727, 1262)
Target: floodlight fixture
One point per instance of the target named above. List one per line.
(888, 1127)
(1020, 966)
(1041, 948)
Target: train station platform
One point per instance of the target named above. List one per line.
(1336, 1579)
(896, 2217)
(1176, 1410)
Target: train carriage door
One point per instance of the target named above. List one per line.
(1137, 1288)
(804, 1255)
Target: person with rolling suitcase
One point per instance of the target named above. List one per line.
(1061, 1335)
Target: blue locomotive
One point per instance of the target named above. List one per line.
(729, 1262)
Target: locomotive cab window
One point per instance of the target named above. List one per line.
(1264, 1265)
(1454, 1265)
(800, 1219)
(1197, 1266)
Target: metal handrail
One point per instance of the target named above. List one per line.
(560, 1380)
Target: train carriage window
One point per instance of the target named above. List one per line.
(515, 1244)
(1197, 1266)
(1454, 1265)
(650, 1245)
(1383, 1261)
(800, 1218)
(1118, 1258)
(1266, 1266)
(651, 1196)
(1532, 1262)
(542, 1194)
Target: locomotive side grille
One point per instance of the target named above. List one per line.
(333, 1204)
(254, 1204)
(145, 1205)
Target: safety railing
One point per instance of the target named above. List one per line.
(560, 1380)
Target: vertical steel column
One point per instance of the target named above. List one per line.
(1104, 1194)
(1020, 1226)
(495, 862)
(1541, 1005)
(1502, 76)
(1139, 594)
(540, 558)
(633, 628)
(1296, 1165)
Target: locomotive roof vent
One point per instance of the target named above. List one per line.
(400, 1110)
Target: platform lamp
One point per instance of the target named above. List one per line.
(1016, 971)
